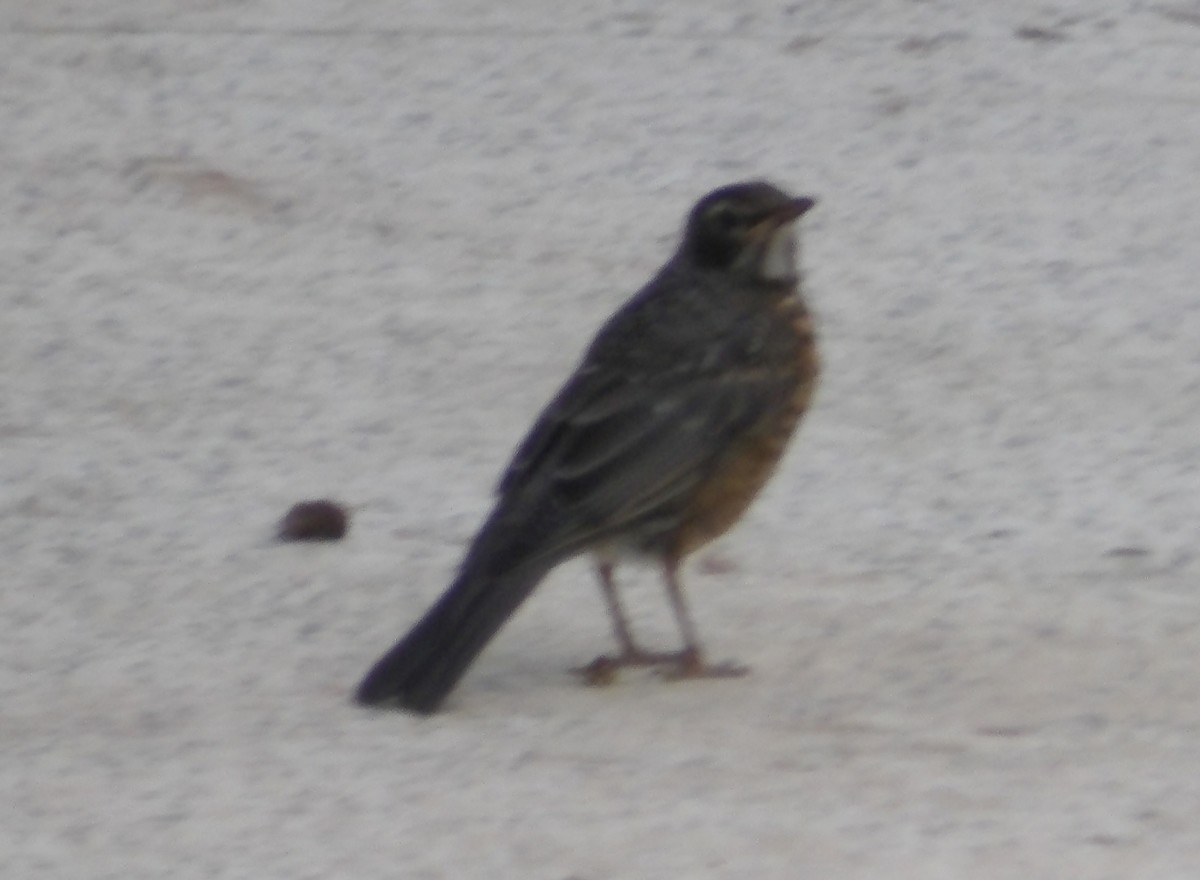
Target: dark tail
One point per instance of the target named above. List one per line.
(423, 667)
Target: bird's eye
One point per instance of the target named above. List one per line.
(723, 216)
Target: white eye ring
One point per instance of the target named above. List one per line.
(724, 215)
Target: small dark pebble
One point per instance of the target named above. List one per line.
(314, 521)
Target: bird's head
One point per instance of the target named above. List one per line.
(746, 228)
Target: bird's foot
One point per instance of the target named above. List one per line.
(604, 669)
(675, 666)
(690, 664)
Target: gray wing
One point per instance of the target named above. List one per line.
(615, 451)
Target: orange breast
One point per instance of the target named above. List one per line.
(722, 499)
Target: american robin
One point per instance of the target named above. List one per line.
(674, 420)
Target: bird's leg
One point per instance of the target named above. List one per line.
(690, 663)
(616, 613)
(603, 669)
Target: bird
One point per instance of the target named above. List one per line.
(674, 419)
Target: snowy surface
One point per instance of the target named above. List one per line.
(256, 252)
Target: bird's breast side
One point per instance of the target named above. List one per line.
(742, 471)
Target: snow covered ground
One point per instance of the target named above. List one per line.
(256, 252)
